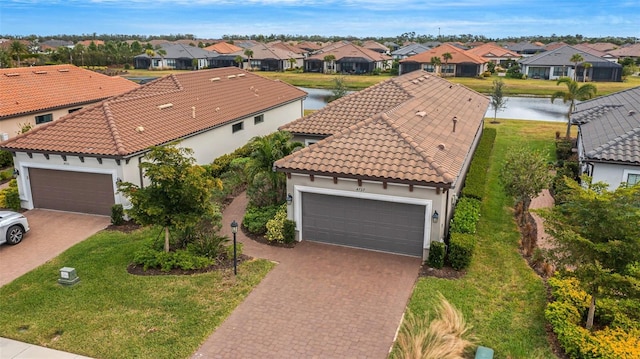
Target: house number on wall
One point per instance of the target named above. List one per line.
(359, 189)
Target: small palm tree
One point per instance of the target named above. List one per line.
(574, 92)
(576, 59)
(447, 56)
(436, 62)
(329, 59)
(249, 54)
(238, 60)
(586, 66)
(17, 49)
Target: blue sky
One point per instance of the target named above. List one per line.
(361, 18)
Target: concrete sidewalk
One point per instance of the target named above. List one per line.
(12, 349)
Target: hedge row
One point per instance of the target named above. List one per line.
(9, 197)
(619, 339)
(222, 164)
(466, 216)
(461, 247)
(477, 175)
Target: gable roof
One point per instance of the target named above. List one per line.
(492, 50)
(562, 56)
(309, 46)
(411, 49)
(627, 51)
(409, 139)
(34, 89)
(170, 108)
(375, 46)
(263, 52)
(223, 48)
(286, 46)
(610, 126)
(458, 56)
(345, 49)
(602, 46)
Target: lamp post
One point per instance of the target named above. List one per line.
(234, 229)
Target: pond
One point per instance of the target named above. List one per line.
(519, 108)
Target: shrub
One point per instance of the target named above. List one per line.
(486, 74)
(563, 148)
(149, 257)
(228, 250)
(466, 215)
(6, 159)
(461, 247)
(5, 175)
(436, 255)
(210, 245)
(256, 218)
(477, 175)
(565, 315)
(279, 228)
(10, 197)
(117, 214)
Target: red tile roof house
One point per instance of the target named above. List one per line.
(384, 165)
(461, 64)
(41, 94)
(73, 164)
(349, 59)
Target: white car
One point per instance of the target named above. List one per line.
(13, 227)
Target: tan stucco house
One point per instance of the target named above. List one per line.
(73, 164)
(383, 167)
(37, 95)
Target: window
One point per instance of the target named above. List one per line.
(258, 119)
(171, 62)
(308, 142)
(633, 178)
(44, 118)
(559, 71)
(447, 69)
(237, 127)
(74, 109)
(429, 68)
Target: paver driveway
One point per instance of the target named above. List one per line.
(52, 232)
(320, 301)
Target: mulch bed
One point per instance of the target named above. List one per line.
(126, 227)
(444, 272)
(263, 240)
(219, 266)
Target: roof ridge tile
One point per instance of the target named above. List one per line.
(115, 134)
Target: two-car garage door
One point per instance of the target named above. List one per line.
(72, 191)
(385, 226)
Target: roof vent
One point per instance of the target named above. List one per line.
(166, 105)
(217, 109)
(421, 113)
(441, 147)
(193, 112)
(39, 72)
(231, 76)
(241, 75)
(214, 79)
(632, 112)
(63, 70)
(455, 120)
(139, 129)
(12, 74)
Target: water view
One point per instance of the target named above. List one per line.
(519, 108)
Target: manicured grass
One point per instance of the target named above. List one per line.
(112, 314)
(500, 296)
(527, 87)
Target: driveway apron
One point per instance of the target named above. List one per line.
(52, 232)
(320, 301)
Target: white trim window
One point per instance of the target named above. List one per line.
(631, 177)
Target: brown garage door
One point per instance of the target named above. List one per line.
(71, 191)
(379, 225)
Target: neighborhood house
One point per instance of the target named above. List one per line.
(385, 165)
(73, 164)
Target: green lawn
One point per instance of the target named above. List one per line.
(500, 296)
(112, 314)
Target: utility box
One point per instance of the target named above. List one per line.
(68, 276)
(484, 353)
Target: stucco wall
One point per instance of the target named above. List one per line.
(12, 125)
(612, 174)
(350, 187)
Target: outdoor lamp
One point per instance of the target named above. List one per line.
(435, 216)
(289, 199)
(234, 229)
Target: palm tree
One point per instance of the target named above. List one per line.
(17, 49)
(586, 66)
(447, 56)
(574, 92)
(576, 58)
(238, 60)
(249, 54)
(329, 59)
(436, 62)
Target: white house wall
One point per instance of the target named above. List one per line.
(613, 174)
(12, 125)
(212, 144)
(395, 192)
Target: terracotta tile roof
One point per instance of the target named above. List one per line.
(348, 50)
(458, 56)
(492, 50)
(264, 52)
(411, 141)
(161, 111)
(309, 45)
(286, 46)
(33, 89)
(602, 46)
(223, 48)
(627, 51)
(375, 46)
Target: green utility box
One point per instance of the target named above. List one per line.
(484, 353)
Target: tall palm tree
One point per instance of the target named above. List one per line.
(574, 92)
(447, 56)
(17, 49)
(586, 66)
(576, 59)
(329, 59)
(436, 62)
(249, 54)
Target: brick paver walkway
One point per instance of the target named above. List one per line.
(52, 232)
(320, 301)
(544, 200)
